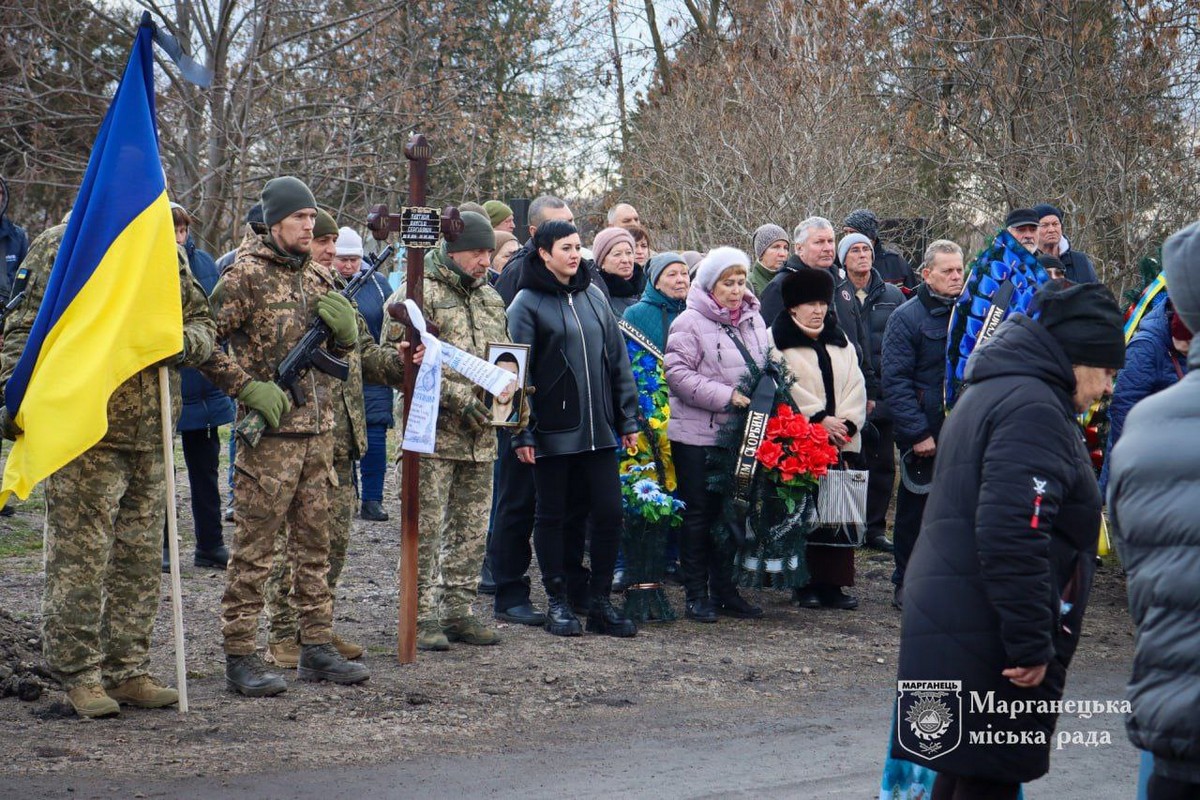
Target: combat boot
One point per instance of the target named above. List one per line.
(250, 676)
(144, 692)
(284, 654)
(322, 662)
(431, 637)
(604, 618)
(560, 619)
(93, 702)
(349, 650)
(469, 630)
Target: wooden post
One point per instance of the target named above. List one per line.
(417, 151)
(168, 447)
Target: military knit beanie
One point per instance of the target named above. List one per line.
(497, 212)
(326, 226)
(477, 234)
(284, 196)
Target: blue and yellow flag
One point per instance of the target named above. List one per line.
(112, 304)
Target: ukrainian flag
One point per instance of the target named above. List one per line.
(112, 304)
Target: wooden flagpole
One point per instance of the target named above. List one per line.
(168, 445)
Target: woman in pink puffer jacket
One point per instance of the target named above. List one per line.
(704, 367)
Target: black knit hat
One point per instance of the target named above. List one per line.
(864, 221)
(1047, 210)
(1086, 321)
(807, 286)
(1050, 262)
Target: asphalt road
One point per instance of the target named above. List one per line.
(832, 748)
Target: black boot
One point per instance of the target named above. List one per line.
(701, 609)
(736, 606)
(217, 558)
(166, 561)
(604, 618)
(322, 662)
(560, 619)
(250, 676)
(373, 510)
(834, 597)
(806, 597)
(487, 583)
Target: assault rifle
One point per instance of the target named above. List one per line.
(310, 353)
(11, 306)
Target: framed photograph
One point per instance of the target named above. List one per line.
(506, 406)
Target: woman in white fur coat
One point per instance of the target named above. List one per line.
(830, 391)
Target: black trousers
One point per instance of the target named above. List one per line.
(910, 508)
(573, 489)
(705, 566)
(949, 787)
(880, 460)
(508, 547)
(202, 453)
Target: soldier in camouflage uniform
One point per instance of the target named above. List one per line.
(104, 518)
(263, 304)
(456, 480)
(349, 443)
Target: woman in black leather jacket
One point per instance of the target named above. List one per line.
(585, 400)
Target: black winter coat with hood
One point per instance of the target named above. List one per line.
(1002, 570)
(585, 394)
(1153, 498)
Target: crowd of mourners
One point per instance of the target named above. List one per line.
(637, 361)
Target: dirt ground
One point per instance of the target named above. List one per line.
(470, 700)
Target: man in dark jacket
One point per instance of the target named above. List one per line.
(1050, 240)
(891, 266)
(877, 300)
(1152, 504)
(998, 585)
(541, 209)
(205, 409)
(914, 371)
(14, 244)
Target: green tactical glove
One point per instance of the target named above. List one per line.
(477, 416)
(339, 316)
(8, 428)
(267, 399)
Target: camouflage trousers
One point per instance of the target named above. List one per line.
(282, 622)
(456, 498)
(285, 480)
(104, 523)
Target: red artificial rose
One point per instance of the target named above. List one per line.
(774, 428)
(791, 467)
(769, 454)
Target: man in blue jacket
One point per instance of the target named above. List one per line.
(205, 409)
(914, 372)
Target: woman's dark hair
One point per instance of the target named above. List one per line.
(550, 232)
(506, 358)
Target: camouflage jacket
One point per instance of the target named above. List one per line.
(133, 409)
(263, 304)
(468, 318)
(374, 363)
